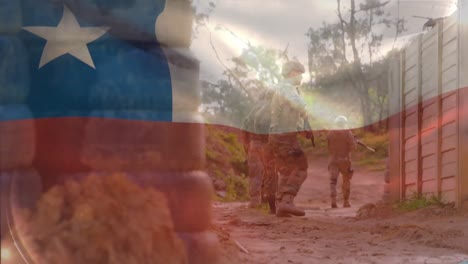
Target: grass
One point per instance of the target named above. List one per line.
(226, 157)
(372, 163)
(237, 187)
(416, 202)
(361, 157)
(226, 149)
(379, 142)
(264, 209)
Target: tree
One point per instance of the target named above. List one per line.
(245, 77)
(201, 18)
(230, 99)
(343, 53)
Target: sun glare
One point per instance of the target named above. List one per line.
(5, 255)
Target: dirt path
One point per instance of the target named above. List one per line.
(336, 236)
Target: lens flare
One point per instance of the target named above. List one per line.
(5, 255)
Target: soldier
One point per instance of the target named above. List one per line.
(254, 140)
(288, 112)
(340, 144)
(252, 146)
(262, 120)
(386, 194)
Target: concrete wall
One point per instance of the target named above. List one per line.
(463, 102)
(427, 147)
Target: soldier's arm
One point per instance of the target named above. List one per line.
(295, 100)
(352, 141)
(309, 134)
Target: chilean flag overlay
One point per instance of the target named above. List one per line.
(68, 63)
(87, 86)
(96, 89)
(84, 59)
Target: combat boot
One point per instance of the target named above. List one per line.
(346, 199)
(346, 193)
(333, 203)
(286, 207)
(346, 204)
(272, 204)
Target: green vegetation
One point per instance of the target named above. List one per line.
(378, 141)
(373, 161)
(225, 158)
(362, 157)
(264, 209)
(237, 187)
(225, 151)
(415, 202)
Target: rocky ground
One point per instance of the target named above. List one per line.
(325, 235)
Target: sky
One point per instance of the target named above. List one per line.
(283, 22)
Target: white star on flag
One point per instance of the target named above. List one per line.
(67, 38)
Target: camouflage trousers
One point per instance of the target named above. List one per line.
(262, 174)
(255, 164)
(335, 167)
(291, 164)
(387, 188)
(270, 177)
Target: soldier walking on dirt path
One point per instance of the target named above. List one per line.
(252, 146)
(288, 113)
(341, 143)
(255, 139)
(262, 121)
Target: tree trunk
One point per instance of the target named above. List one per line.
(310, 62)
(366, 107)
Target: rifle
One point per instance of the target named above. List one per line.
(359, 142)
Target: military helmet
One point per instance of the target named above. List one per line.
(341, 121)
(290, 66)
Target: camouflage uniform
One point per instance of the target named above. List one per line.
(340, 145)
(261, 126)
(270, 178)
(386, 194)
(253, 144)
(287, 114)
